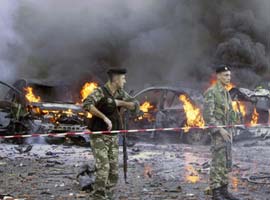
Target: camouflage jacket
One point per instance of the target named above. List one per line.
(97, 95)
(218, 108)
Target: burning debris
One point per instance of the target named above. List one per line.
(30, 96)
(193, 114)
(192, 174)
(255, 117)
(161, 107)
(36, 109)
(146, 108)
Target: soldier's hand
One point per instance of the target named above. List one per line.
(125, 104)
(226, 135)
(108, 122)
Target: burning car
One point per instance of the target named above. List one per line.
(254, 106)
(31, 106)
(35, 106)
(171, 107)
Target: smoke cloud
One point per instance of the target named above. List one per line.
(160, 42)
(9, 39)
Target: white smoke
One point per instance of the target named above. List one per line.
(9, 39)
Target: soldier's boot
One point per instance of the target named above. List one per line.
(226, 194)
(217, 194)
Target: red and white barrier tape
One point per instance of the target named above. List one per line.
(130, 131)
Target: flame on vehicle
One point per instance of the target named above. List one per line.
(146, 107)
(254, 118)
(193, 113)
(30, 96)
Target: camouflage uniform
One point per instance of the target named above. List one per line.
(105, 147)
(218, 110)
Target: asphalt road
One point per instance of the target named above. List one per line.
(167, 171)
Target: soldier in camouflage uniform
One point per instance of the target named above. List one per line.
(105, 103)
(218, 110)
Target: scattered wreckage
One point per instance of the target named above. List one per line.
(171, 107)
(254, 105)
(22, 112)
(34, 106)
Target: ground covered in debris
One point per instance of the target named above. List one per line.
(171, 171)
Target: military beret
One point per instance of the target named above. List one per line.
(117, 71)
(223, 68)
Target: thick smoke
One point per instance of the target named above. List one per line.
(9, 40)
(171, 42)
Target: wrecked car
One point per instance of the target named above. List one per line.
(254, 106)
(31, 106)
(170, 107)
(173, 107)
(35, 106)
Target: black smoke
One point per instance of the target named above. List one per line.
(171, 42)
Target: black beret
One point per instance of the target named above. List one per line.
(223, 68)
(117, 71)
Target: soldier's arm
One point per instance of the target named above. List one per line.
(208, 111)
(92, 99)
(128, 102)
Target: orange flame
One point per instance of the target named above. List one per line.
(30, 96)
(192, 175)
(193, 113)
(68, 112)
(229, 86)
(87, 89)
(239, 106)
(235, 183)
(146, 107)
(254, 118)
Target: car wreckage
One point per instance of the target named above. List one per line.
(254, 106)
(171, 107)
(22, 112)
(34, 106)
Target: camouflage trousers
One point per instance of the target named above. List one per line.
(105, 150)
(221, 161)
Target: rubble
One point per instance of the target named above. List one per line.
(155, 171)
(86, 177)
